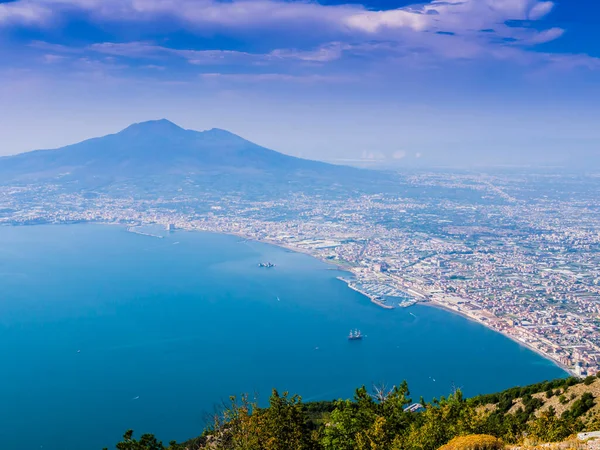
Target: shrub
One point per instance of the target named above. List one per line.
(580, 406)
(589, 380)
(474, 442)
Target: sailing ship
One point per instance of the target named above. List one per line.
(355, 335)
(266, 264)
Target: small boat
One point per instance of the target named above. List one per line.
(268, 265)
(355, 335)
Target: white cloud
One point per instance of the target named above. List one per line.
(546, 36)
(274, 77)
(440, 15)
(465, 16)
(325, 53)
(373, 21)
(22, 12)
(372, 156)
(540, 10)
(139, 49)
(424, 33)
(51, 58)
(242, 14)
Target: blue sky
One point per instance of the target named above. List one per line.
(490, 81)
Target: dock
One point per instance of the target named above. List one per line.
(374, 299)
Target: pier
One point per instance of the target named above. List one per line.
(374, 299)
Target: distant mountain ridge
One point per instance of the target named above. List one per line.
(160, 147)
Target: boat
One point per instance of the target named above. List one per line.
(355, 335)
(266, 264)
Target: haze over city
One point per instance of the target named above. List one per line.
(469, 83)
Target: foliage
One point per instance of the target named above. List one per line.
(580, 406)
(547, 427)
(382, 420)
(519, 392)
(146, 442)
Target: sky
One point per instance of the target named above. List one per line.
(388, 82)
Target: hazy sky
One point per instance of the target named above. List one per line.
(500, 81)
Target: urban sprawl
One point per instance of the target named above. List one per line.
(518, 254)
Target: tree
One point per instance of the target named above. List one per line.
(547, 427)
(347, 420)
(146, 442)
(285, 423)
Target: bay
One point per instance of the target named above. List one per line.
(102, 330)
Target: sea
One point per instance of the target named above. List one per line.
(104, 330)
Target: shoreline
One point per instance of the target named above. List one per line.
(430, 303)
(434, 304)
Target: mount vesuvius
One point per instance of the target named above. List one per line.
(161, 148)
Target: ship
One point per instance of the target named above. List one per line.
(355, 335)
(266, 264)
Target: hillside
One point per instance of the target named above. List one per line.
(518, 418)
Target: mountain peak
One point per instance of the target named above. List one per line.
(160, 126)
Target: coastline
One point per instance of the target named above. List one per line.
(431, 303)
(343, 268)
(435, 304)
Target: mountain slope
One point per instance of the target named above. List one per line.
(162, 148)
(390, 420)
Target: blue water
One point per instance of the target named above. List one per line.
(183, 326)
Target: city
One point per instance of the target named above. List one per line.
(510, 251)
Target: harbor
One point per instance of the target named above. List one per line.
(382, 295)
